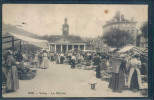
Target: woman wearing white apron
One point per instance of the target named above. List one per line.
(45, 62)
(134, 78)
(58, 58)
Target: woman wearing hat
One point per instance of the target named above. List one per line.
(134, 78)
(12, 74)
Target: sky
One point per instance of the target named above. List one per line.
(85, 20)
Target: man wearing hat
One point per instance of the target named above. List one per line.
(134, 78)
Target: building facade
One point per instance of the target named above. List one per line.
(65, 42)
(119, 22)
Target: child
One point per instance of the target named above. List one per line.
(92, 81)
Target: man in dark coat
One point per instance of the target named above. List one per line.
(18, 56)
(97, 63)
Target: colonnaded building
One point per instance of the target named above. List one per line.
(66, 42)
(117, 22)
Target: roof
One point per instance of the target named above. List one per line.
(66, 38)
(35, 42)
(119, 19)
(128, 48)
(17, 30)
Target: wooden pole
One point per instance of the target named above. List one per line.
(20, 45)
(13, 44)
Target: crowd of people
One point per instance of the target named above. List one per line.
(123, 71)
(18, 65)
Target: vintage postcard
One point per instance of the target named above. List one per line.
(74, 50)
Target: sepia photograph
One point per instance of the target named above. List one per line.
(74, 50)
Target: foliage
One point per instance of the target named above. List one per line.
(89, 45)
(118, 38)
(144, 29)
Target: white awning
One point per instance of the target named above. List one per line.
(36, 42)
(127, 48)
(133, 48)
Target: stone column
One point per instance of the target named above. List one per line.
(67, 48)
(72, 46)
(61, 48)
(78, 47)
(55, 48)
(84, 47)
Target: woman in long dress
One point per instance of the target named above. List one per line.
(61, 58)
(4, 75)
(73, 61)
(134, 78)
(12, 74)
(45, 62)
(117, 81)
(58, 58)
(40, 60)
(98, 68)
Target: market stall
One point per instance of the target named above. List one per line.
(144, 61)
(9, 41)
(131, 48)
(14, 42)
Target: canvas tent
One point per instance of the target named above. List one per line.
(127, 48)
(36, 42)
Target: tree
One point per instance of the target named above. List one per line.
(144, 29)
(118, 38)
(89, 45)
